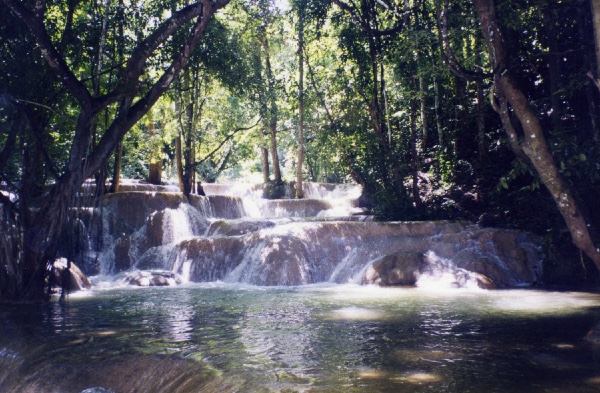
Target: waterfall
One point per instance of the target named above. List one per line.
(234, 235)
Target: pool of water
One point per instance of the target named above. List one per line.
(344, 338)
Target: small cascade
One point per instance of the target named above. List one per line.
(442, 273)
(234, 235)
(139, 229)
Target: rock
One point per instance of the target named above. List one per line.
(399, 269)
(238, 228)
(136, 225)
(301, 253)
(224, 206)
(77, 281)
(127, 212)
(295, 208)
(154, 278)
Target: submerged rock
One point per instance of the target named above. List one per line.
(153, 278)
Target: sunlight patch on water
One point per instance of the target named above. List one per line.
(564, 346)
(514, 301)
(427, 355)
(541, 302)
(369, 373)
(356, 314)
(418, 378)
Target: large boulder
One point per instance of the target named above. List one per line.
(398, 269)
(75, 279)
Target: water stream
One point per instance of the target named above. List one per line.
(233, 338)
(272, 301)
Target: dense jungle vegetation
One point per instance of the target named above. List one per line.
(478, 110)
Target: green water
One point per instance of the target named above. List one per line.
(226, 338)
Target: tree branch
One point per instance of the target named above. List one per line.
(447, 55)
(35, 22)
(365, 27)
(228, 137)
(63, 116)
(135, 112)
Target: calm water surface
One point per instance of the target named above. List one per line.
(228, 338)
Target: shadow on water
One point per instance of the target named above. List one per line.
(233, 338)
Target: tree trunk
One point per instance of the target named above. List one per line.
(273, 113)
(596, 15)
(155, 165)
(423, 113)
(481, 145)
(438, 116)
(179, 161)
(273, 148)
(460, 105)
(42, 234)
(591, 90)
(414, 154)
(265, 164)
(299, 185)
(116, 180)
(534, 144)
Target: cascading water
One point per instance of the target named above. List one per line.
(234, 235)
(217, 334)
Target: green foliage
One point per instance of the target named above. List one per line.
(362, 96)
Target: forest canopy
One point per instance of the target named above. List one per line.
(473, 110)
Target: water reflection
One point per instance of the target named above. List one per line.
(222, 337)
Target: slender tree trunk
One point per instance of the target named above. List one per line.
(273, 149)
(179, 161)
(460, 88)
(423, 113)
(273, 113)
(591, 90)
(265, 164)
(438, 116)
(534, 144)
(481, 145)
(299, 185)
(554, 70)
(155, 165)
(596, 16)
(414, 154)
(116, 180)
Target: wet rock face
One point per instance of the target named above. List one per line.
(161, 230)
(126, 212)
(386, 254)
(77, 281)
(140, 228)
(399, 269)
